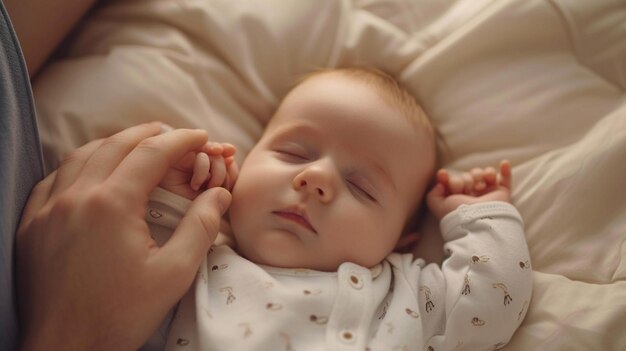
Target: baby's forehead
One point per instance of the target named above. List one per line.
(344, 84)
(383, 86)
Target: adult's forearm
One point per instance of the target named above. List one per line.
(42, 24)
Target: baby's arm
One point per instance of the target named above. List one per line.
(483, 288)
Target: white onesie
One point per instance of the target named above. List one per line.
(474, 301)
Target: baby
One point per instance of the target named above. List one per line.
(320, 205)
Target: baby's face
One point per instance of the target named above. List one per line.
(333, 179)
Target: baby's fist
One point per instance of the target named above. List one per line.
(479, 185)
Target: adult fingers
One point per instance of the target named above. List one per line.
(114, 149)
(142, 170)
(187, 162)
(71, 166)
(196, 232)
(37, 199)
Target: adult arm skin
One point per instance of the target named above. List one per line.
(89, 276)
(41, 25)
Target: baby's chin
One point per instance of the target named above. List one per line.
(288, 260)
(299, 263)
(281, 249)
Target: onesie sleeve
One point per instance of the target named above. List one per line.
(166, 209)
(163, 213)
(485, 283)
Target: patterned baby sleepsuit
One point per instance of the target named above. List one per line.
(474, 301)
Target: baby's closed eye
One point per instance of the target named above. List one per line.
(361, 188)
(292, 152)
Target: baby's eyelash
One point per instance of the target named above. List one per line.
(361, 191)
(291, 155)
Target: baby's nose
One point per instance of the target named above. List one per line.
(314, 183)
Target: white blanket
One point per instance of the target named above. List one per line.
(541, 83)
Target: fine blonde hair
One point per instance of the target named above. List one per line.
(389, 89)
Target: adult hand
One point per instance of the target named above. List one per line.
(89, 276)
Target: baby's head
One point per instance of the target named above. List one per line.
(342, 166)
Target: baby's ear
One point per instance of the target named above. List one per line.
(407, 242)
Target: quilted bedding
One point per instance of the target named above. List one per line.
(541, 83)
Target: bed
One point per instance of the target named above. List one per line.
(541, 83)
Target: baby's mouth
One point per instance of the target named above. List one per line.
(297, 215)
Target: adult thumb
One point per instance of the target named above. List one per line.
(196, 232)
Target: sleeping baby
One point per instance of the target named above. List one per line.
(320, 208)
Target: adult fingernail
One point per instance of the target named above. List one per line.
(166, 128)
(223, 200)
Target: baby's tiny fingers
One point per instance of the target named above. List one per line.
(479, 183)
(443, 177)
(436, 195)
(231, 176)
(490, 176)
(213, 148)
(201, 168)
(505, 168)
(218, 171)
(229, 161)
(456, 184)
(468, 183)
(228, 150)
(505, 174)
(477, 174)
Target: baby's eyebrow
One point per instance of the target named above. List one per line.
(299, 128)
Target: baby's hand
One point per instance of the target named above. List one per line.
(213, 166)
(479, 185)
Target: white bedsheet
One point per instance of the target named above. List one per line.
(541, 83)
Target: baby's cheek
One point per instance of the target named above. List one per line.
(374, 240)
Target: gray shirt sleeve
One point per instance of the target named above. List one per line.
(21, 166)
